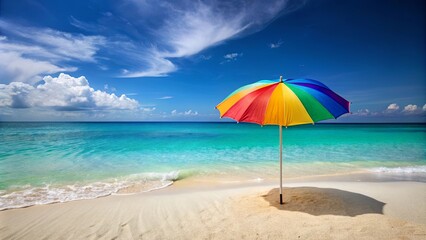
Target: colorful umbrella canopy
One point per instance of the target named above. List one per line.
(285, 103)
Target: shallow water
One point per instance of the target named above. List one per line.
(57, 162)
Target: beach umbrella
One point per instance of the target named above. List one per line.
(283, 102)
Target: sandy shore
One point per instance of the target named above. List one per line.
(312, 210)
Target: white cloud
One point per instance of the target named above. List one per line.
(190, 113)
(170, 30)
(392, 112)
(62, 45)
(16, 68)
(85, 26)
(148, 109)
(362, 112)
(187, 28)
(62, 93)
(185, 113)
(156, 66)
(410, 108)
(204, 57)
(39, 51)
(276, 45)
(15, 95)
(103, 67)
(107, 87)
(165, 97)
(231, 57)
(392, 107)
(204, 26)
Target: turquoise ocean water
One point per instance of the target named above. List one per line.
(57, 162)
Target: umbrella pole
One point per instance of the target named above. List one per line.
(281, 165)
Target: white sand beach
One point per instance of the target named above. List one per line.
(188, 210)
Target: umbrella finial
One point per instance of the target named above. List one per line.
(281, 79)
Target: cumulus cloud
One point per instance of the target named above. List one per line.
(392, 112)
(393, 107)
(62, 93)
(39, 51)
(410, 108)
(15, 95)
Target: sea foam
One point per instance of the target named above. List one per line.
(403, 170)
(27, 195)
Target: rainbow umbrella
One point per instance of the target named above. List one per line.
(285, 102)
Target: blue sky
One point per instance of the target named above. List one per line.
(175, 60)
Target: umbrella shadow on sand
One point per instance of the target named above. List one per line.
(324, 201)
